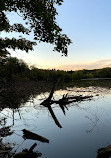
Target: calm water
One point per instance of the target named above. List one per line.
(86, 125)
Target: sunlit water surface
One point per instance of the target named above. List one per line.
(86, 125)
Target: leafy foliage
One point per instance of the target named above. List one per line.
(41, 16)
(12, 69)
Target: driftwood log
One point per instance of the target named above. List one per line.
(30, 135)
(64, 100)
(70, 99)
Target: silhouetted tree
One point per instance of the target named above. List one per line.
(41, 17)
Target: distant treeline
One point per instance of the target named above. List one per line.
(13, 69)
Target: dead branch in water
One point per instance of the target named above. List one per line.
(29, 135)
(49, 100)
(65, 99)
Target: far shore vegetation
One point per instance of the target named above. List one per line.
(15, 70)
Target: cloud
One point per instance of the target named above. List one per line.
(94, 65)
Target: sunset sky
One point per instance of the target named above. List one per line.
(88, 24)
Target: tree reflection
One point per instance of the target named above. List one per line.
(11, 98)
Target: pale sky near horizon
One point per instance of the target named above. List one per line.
(88, 24)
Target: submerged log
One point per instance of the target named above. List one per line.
(80, 98)
(65, 99)
(30, 135)
(70, 99)
(104, 152)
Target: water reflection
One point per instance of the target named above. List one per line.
(54, 117)
(26, 112)
(12, 97)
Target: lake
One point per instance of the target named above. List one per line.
(77, 130)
